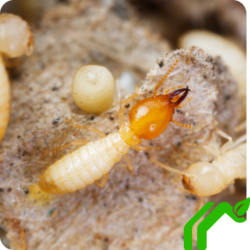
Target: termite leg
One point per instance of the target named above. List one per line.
(213, 151)
(23, 242)
(77, 142)
(174, 88)
(241, 126)
(141, 148)
(231, 188)
(123, 103)
(102, 181)
(243, 138)
(184, 103)
(200, 203)
(94, 130)
(228, 144)
(130, 164)
(181, 124)
(23, 239)
(164, 77)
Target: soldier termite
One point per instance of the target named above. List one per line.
(92, 162)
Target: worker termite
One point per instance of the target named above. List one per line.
(205, 179)
(16, 39)
(92, 162)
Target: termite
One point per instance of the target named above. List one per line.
(206, 179)
(16, 39)
(92, 162)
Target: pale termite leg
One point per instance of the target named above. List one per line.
(102, 181)
(23, 243)
(94, 130)
(164, 77)
(201, 202)
(141, 148)
(228, 144)
(121, 121)
(73, 143)
(130, 164)
(241, 127)
(181, 124)
(243, 138)
(213, 151)
(184, 103)
(123, 103)
(231, 188)
(174, 88)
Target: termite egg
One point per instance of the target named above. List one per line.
(93, 88)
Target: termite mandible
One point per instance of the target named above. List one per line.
(92, 162)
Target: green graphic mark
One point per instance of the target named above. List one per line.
(223, 208)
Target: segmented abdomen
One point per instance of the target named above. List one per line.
(83, 166)
(4, 99)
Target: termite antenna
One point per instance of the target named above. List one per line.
(164, 77)
(169, 168)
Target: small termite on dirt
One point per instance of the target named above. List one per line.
(16, 39)
(206, 179)
(92, 162)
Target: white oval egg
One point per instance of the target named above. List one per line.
(93, 88)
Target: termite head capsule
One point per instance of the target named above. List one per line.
(150, 117)
(203, 179)
(16, 37)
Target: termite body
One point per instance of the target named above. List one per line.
(4, 99)
(84, 166)
(93, 161)
(205, 179)
(16, 39)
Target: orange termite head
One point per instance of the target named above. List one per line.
(149, 117)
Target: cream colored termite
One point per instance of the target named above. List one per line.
(205, 179)
(92, 162)
(16, 39)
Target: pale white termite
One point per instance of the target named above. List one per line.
(205, 179)
(92, 162)
(16, 39)
(93, 88)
